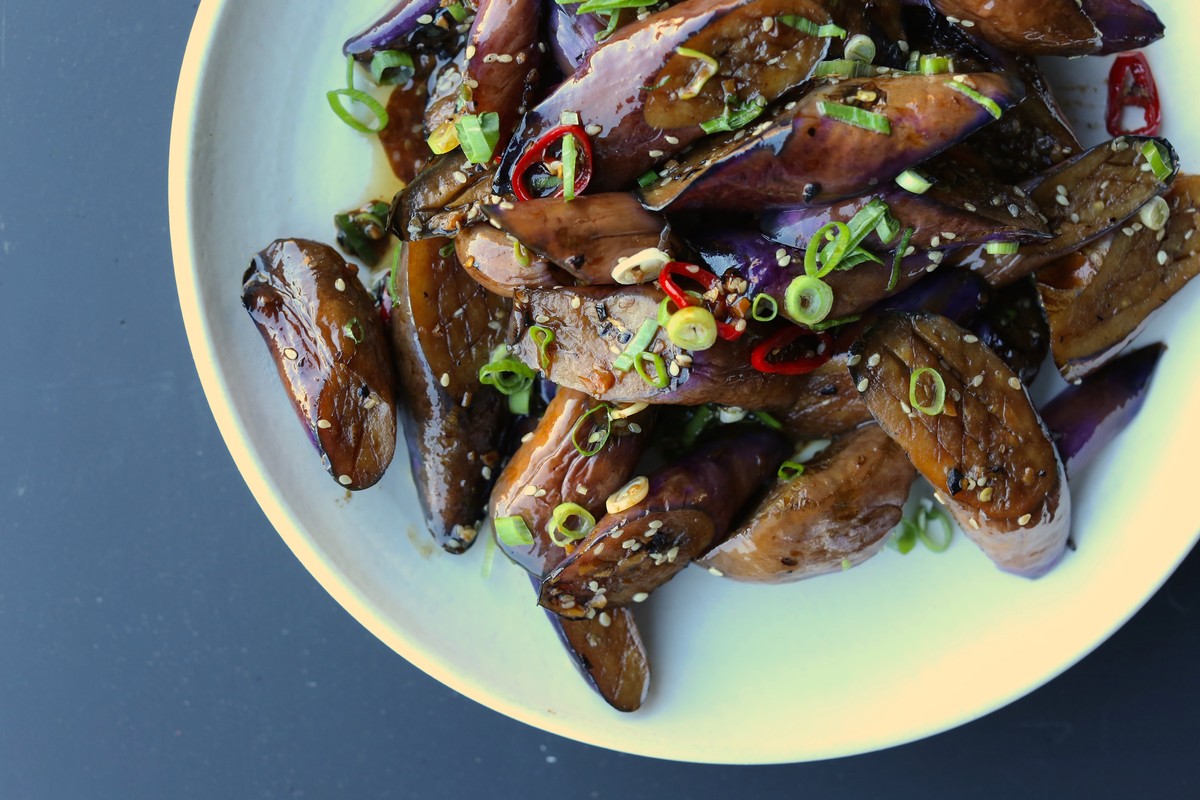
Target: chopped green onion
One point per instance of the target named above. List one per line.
(768, 420)
(914, 62)
(354, 330)
(542, 337)
(789, 470)
(446, 250)
(860, 47)
(846, 564)
(857, 256)
(820, 258)
(648, 178)
(614, 19)
(833, 323)
(735, 119)
(842, 68)
(558, 523)
(924, 529)
(939, 392)
(911, 181)
(1155, 213)
(479, 135)
(934, 65)
(393, 287)
(444, 138)
(510, 377)
(887, 229)
(696, 425)
(904, 537)
(1001, 248)
(982, 99)
(390, 61)
(522, 254)
(513, 531)
(637, 345)
(805, 25)
(692, 328)
(1157, 156)
(853, 115)
(600, 436)
(363, 232)
(601, 6)
(872, 217)
(457, 11)
(899, 257)
(709, 67)
(358, 96)
(764, 299)
(808, 300)
(545, 183)
(569, 158)
(659, 379)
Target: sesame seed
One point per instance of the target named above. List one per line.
(977, 380)
(527, 438)
(970, 338)
(640, 597)
(655, 525)
(324, 424)
(985, 494)
(1015, 210)
(628, 543)
(974, 523)
(874, 360)
(425, 19)
(672, 554)
(486, 472)
(1163, 258)
(459, 176)
(504, 58)
(345, 480)
(506, 205)
(768, 23)
(1014, 382)
(656, 154)
(593, 129)
(1024, 519)
(635, 428)
(1074, 218)
(671, 139)
(340, 285)
(970, 207)
(540, 493)
(530, 490)
(966, 23)
(445, 379)
(290, 353)
(948, 236)
(862, 385)
(905, 407)
(935, 241)
(716, 572)
(1061, 200)
(604, 618)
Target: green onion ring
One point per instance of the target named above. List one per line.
(601, 441)
(808, 300)
(513, 531)
(939, 392)
(558, 523)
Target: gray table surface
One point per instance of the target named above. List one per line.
(157, 639)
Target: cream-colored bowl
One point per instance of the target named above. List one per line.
(892, 651)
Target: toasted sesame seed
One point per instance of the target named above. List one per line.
(1061, 200)
(445, 379)
(905, 407)
(1024, 519)
(290, 353)
(424, 19)
(604, 618)
(853, 360)
(768, 23)
(628, 543)
(672, 554)
(345, 480)
(486, 472)
(977, 380)
(974, 523)
(640, 597)
(540, 493)
(1014, 382)
(970, 338)
(340, 285)
(985, 494)
(716, 572)
(1163, 258)
(530, 490)
(672, 139)
(656, 153)
(862, 385)
(324, 424)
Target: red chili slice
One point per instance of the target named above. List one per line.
(666, 281)
(1131, 84)
(760, 355)
(537, 155)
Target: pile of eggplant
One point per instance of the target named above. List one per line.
(645, 255)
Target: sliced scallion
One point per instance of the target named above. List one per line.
(1154, 154)
(768, 420)
(692, 328)
(358, 96)
(939, 392)
(935, 65)
(899, 258)
(637, 345)
(860, 47)
(808, 300)
(937, 544)
(911, 181)
(833, 323)
(1155, 213)
(735, 118)
(648, 178)
(478, 134)
(805, 25)
(644, 361)
(543, 337)
(988, 103)
(789, 470)
(826, 248)
(457, 11)
(842, 68)
(1001, 248)
(709, 67)
(522, 254)
(562, 534)
(764, 308)
(444, 138)
(388, 66)
(853, 115)
(596, 436)
(513, 531)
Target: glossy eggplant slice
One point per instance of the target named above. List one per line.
(407, 23)
(1014, 326)
(986, 452)
(645, 101)
(591, 325)
(798, 156)
(572, 36)
(610, 655)
(503, 60)
(491, 257)
(587, 236)
(1083, 199)
(403, 139)
(1028, 27)
(444, 328)
(688, 507)
(1123, 24)
(834, 515)
(1085, 417)
(443, 199)
(549, 469)
(327, 342)
(1100, 297)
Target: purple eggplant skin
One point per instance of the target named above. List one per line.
(400, 24)
(502, 60)
(836, 514)
(1085, 417)
(799, 157)
(628, 90)
(444, 328)
(571, 36)
(688, 508)
(1014, 326)
(1099, 298)
(1123, 24)
(329, 347)
(558, 473)
(489, 256)
(1102, 188)
(1028, 27)
(987, 453)
(403, 140)
(587, 236)
(610, 655)
(590, 322)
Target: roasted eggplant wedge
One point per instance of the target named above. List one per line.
(403, 140)
(502, 60)
(645, 100)
(329, 346)
(1097, 299)
(1014, 326)
(687, 507)
(499, 264)
(589, 236)
(805, 154)
(559, 463)
(444, 328)
(834, 515)
(1028, 27)
(444, 198)
(985, 449)
(609, 654)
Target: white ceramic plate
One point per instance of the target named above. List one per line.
(895, 650)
